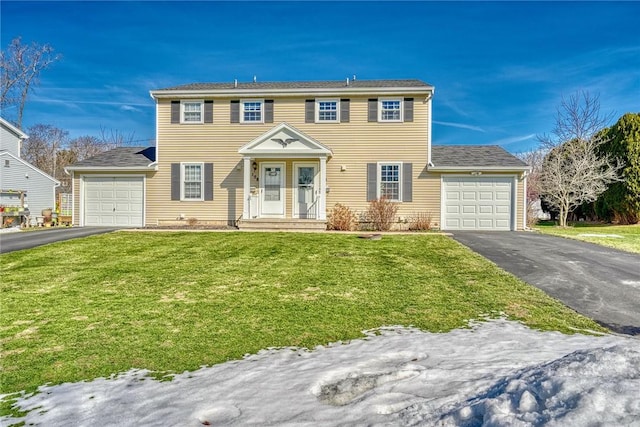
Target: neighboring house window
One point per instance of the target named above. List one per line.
(327, 110)
(7, 164)
(192, 181)
(389, 181)
(390, 110)
(191, 111)
(251, 111)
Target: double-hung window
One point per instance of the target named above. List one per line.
(192, 181)
(327, 110)
(192, 111)
(251, 111)
(389, 181)
(390, 110)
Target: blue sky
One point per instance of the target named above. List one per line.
(500, 69)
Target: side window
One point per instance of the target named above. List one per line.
(389, 110)
(192, 179)
(191, 112)
(327, 110)
(389, 181)
(251, 111)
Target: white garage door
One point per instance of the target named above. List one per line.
(477, 203)
(113, 201)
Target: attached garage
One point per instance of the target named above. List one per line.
(113, 201)
(478, 203)
(109, 189)
(482, 187)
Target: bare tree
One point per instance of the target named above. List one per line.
(534, 159)
(573, 172)
(20, 67)
(42, 147)
(114, 138)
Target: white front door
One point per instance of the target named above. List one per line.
(305, 190)
(272, 189)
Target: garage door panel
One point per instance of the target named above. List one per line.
(114, 201)
(477, 203)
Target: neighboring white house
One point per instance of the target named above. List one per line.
(20, 177)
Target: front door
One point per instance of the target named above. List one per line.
(272, 190)
(304, 199)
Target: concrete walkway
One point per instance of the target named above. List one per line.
(17, 241)
(596, 281)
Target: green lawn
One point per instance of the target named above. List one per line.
(171, 302)
(623, 237)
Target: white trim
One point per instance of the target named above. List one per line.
(82, 178)
(317, 150)
(525, 201)
(379, 179)
(245, 101)
(30, 166)
(429, 127)
(328, 92)
(489, 169)
(394, 99)
(14, 129)
(322, 214)
(246, 187)
(283, 188)
(514, 203)
(317, 110)
(182, 165)
(294, 187)
(514, 191)
(182, 112)
(151, 167)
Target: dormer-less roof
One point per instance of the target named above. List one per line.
(474, 157)
(17, 132)
(120, 158)
(338, 87)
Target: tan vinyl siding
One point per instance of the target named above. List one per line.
(354, 144)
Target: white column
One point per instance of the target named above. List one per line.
(246, 192)
(322, 215)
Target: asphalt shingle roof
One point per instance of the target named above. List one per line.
(473, 156)
(331, 84)
(121, 157)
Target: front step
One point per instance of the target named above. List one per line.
(282, 224)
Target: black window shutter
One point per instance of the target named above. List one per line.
(344, 110)
(408, 109)
(175, 181)
(373, 110)
(407, 182)
(235, 111)
(175, 111)
(309, 110)
(208, 111)
(208, 181)
(372, 181)
(268, 110)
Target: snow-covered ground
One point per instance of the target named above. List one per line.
(498, 373)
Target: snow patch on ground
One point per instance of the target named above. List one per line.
(615, 236)
(497, 373)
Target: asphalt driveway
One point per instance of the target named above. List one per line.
(17, 241)
(598, 282)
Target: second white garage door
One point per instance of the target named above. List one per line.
(477, 203)
(113, 201)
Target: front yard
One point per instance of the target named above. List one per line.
(171, 302)
(623, 237)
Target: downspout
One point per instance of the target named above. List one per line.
(430, 119)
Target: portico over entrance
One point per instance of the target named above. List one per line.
(284, 175)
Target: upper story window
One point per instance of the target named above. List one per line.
(251, 111)
(390, 110)
(192, 178)
(191, 112)
(327, 110)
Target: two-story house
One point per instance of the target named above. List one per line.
(21, 183)
(263, 154)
